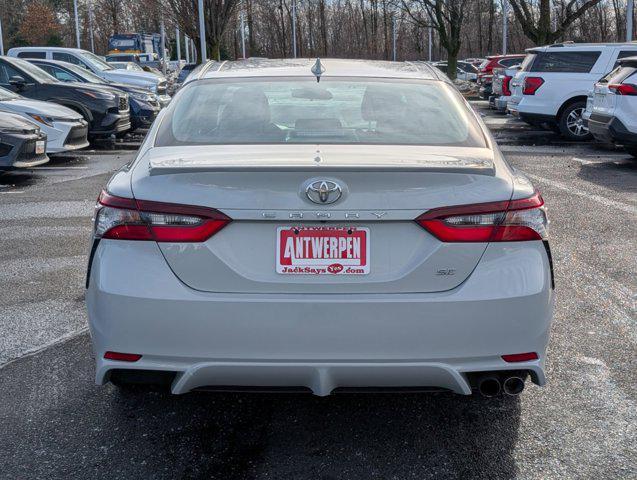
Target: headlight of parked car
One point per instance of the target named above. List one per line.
(100, 95)
(47, 120)
(143, 97)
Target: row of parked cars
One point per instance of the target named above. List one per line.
(581, 91)
(59, 99)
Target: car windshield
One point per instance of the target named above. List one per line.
(36, 73)
(334, 111)
(85, 74)
(7, 95)
(95, 62)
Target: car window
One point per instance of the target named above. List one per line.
(62, 75)
(625, 54)
(65, 57)
(94, 61)
(336, 111)
(32, 71)
(618, 75)
(509, 62)
(572, 62)
(6, 72)
(32, 54)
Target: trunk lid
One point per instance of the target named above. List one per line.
(263, 189)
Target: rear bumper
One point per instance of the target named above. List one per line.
(609, 129)
(322, 342)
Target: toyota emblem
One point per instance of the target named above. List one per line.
(323, 191)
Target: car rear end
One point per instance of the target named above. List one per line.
(613, 105)
(22, 144)
(380, 250)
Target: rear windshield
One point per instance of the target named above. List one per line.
(334, 111)
(572, 62)
(618, 75)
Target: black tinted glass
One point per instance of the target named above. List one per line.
(32, 55)
(578, 62)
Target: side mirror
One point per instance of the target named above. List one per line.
(17, 81)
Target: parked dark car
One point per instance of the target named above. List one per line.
(107, 112)
(144, 106)
(22, 144)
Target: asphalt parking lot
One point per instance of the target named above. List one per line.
(57, 424)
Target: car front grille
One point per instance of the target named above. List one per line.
(77, 136)
(27, 152)
(123, 104)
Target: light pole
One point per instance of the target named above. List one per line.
(393, 28)
(202, 32)
(178, 40)
(294, 28)
(629, 20)
(187, 48)
(505, 25)
(431, 39)
(163, 46)
(77, 24)
(243, 36)
(1, 42)
(90, 25)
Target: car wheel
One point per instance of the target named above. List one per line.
(571, 123)
(632, 149)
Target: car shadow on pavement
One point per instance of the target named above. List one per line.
(618, 175)
(223, 435)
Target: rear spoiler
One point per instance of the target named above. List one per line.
(171, 160)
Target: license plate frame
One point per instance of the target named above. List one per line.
(324, 253)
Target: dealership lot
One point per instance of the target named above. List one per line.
(57, 424)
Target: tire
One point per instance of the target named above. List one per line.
(571, 124)
(632, 149)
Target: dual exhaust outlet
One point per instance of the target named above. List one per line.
(491, 385)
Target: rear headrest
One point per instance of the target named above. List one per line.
(248, 107)
(380, 102)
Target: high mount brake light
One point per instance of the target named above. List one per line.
(507, 221)
(531, 84)
(120, 218)
(506, 90)
(623, 88)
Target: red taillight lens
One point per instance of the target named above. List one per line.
(506, 91)
(122, 357)
(127, 219)
(623, 88)
(531, 84)
(520, 357)
(508, 221)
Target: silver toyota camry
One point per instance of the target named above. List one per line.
(320, 225)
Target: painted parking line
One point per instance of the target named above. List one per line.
(591, 196)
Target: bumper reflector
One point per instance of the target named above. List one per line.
(520, 357)
(122, 357)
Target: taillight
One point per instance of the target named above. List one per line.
(120, 218)
(507, 221)
(506, 91)
(531, 84)
(623, 88)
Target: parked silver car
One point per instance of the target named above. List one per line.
(22, 143)
(320, 225)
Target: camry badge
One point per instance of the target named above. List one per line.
(323, 191)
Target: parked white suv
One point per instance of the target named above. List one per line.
(553, 83)
(611, 112)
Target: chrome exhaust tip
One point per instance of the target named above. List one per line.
(513, 385)
(489, 386)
